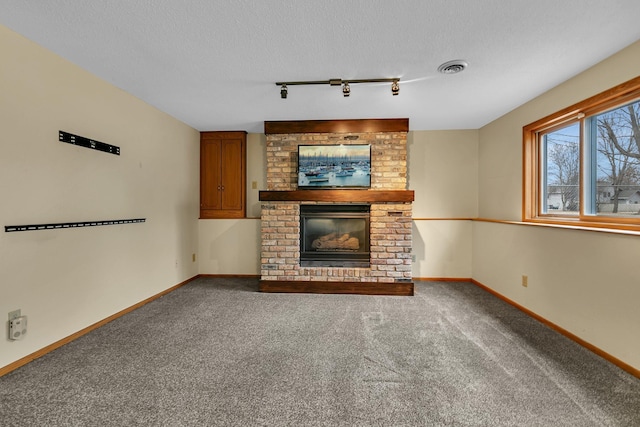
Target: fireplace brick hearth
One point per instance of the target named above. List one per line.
(390, 220)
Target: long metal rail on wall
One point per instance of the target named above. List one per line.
(62, 225)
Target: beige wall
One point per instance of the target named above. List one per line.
(229, 246)
(256, 172)
(65, 280)
(584, 281)
(443, 172)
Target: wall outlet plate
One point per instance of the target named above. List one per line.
(14, 314)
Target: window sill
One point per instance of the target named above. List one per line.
(625, 229)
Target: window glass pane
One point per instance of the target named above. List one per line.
(617, 160)
(561, 171)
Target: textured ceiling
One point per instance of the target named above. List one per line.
(213, 63)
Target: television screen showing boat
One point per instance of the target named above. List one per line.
(334, 166)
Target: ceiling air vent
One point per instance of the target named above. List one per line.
(453, 67)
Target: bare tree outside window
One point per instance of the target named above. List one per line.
(563, 169)
(618, 159)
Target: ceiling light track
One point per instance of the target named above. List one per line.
(346, 84)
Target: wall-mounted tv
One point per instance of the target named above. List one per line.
(334, 166)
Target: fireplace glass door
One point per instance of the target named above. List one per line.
(334, 235)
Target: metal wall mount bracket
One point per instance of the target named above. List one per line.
(55, 226)
(88, 143)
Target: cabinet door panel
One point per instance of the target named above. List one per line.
(232, 182)
(223, 174)
(210, 175)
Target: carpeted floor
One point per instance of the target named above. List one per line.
(217, 353)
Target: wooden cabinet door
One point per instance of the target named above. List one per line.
(231, 178)
(210, 174)
(223, 174)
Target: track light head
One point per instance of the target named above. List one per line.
(395, 88)
(346, 89)
(283, 91)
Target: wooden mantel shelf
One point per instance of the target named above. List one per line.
(374, 196)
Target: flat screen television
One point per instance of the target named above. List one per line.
(334, 166)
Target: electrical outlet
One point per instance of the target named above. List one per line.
(193, 257)
(254, 185)
(413, 258)
(525, 281)
(14, 314)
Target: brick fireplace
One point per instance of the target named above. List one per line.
(388, 204)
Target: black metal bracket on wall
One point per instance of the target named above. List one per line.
(34, 227)
(88, 143)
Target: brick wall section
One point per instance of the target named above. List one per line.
(280, 229)
(390, 235)
(390, 223)
(388, 157)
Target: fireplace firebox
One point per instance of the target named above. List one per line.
(334, 235)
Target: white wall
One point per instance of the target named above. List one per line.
(584, 281)
(65, 280)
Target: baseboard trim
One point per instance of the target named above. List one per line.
(37, 354)
(619, 363)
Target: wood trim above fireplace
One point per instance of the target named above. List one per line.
(336, 126)
(373, 196)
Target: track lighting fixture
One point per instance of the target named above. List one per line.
(395, 88)
(346, 88)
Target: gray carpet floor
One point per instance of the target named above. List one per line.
(217, 353)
